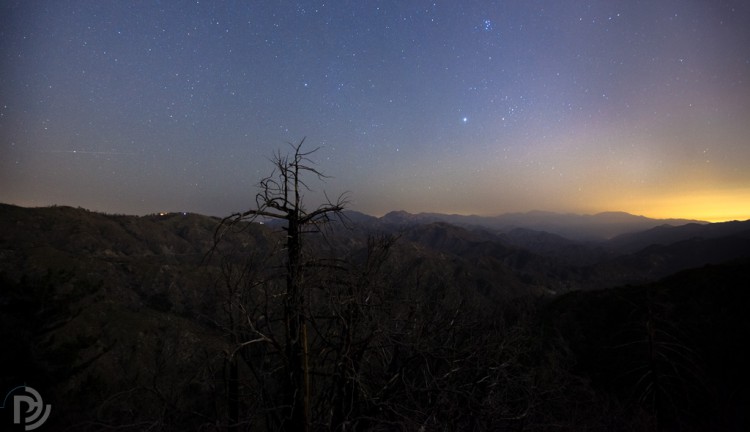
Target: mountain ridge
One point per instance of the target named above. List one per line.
(543, 261)
(569, 225)
(585, 227)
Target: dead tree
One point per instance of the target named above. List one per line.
(281, 198)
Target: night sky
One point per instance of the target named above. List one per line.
(480, 107)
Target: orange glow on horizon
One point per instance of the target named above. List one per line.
(709, 206)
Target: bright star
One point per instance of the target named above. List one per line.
(465, 120)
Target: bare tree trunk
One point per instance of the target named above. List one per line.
(280, 198)
(294, 311)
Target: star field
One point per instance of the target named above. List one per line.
(465, 107)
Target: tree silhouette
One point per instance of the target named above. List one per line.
(281, 197)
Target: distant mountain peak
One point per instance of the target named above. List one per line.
(397, 213)
(404, 217)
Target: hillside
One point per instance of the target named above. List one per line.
(670, 234)
(129, 322)
(674, 347)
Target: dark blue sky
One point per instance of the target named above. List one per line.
(468, 107)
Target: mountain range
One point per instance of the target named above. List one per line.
(111, 315)
(535, 252)
(600, 226)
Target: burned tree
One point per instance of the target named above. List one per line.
(281, 198)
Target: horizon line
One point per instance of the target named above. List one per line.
(718, 219)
